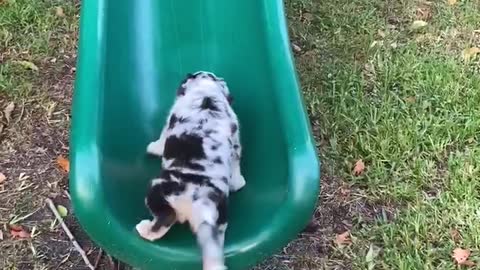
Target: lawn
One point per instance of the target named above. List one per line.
(394, 84)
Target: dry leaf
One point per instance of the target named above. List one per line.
(8, 111)
(18, 231)
(308, 17)
(20, 234)
(1, 235)
(455, 234)
(375, 43)
(343, 239)
(410, 99)
(424, 13)
(461, 257)
(359, 167)
(381, 33)
(28, 65)
(63, 163)
(15, 227)
(2, 178)
(452, 2)
(418, 24)
(469, 263)
(296, 48)
(59, 12)
(345, 191)
(372, 254)
(470, 53)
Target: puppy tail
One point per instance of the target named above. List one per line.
(209, 239)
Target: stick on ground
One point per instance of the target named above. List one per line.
(99, 257)
(70, 235)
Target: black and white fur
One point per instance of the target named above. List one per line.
(200, 150)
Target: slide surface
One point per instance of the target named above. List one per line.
(132, 56)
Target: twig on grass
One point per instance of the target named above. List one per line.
(67, 195)
(69, 234)
(97, 260)
(112, 263)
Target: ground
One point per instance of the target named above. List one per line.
(392, 83)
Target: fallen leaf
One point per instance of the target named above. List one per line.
(424, 13)
(63, 163)
(418, 24)
(470, 53)
(461, 257)
(296, 48)
(452, 2)
(469, 263)
(28, 65)
(410, 99)
(8, 111)
(372, 253)
(20, 234)
(455, 234)
(345, 191)
(15, 227)
(359, 167)
(381, 33)
(375, 43)
(62, 210)
(308, 17)
(59, 12)
(1, 235)
(343, 239)
(18, 231)
(2, 178)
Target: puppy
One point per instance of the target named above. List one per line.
(201, 151)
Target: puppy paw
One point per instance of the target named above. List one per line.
(155, 148)
(212, 264)
(144, 228)
(237, 183)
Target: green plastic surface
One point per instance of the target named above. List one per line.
(132, 56)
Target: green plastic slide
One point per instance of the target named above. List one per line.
(132, 57)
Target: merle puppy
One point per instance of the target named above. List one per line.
(200, 150)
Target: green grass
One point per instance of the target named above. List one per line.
(409, 110)
(32, 31)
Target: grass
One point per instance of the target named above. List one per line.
(34, 31)
(404, 101)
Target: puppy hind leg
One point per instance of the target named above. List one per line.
(164, 215)
(153, 229)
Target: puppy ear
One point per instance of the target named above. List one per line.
(181, 90)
